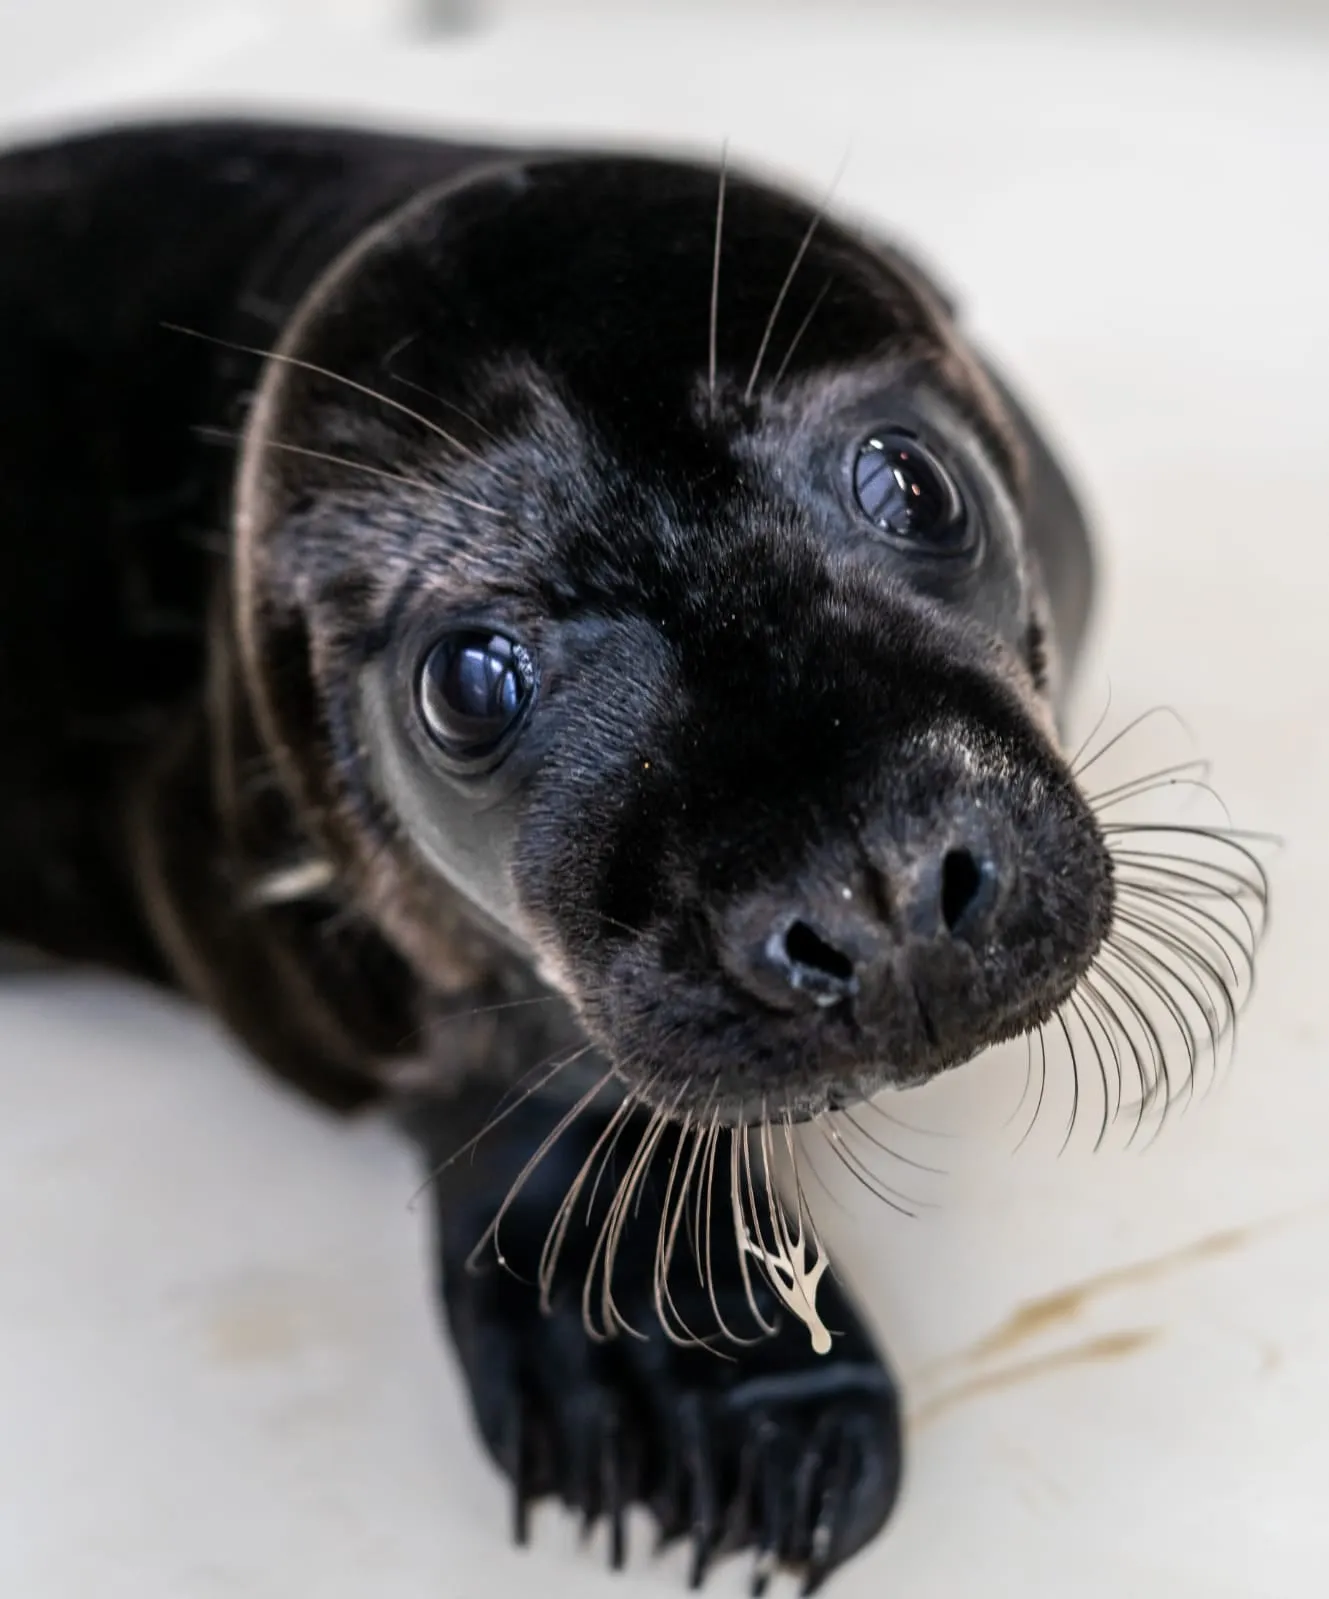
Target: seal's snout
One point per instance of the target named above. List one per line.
(827, 941)
(802, 960)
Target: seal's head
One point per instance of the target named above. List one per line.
(646, 557)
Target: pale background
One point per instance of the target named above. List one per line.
(219, 1373)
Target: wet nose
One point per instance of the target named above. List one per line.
(821, 947)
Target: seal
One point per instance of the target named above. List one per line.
(569, 646)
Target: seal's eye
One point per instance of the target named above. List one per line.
(474, 687)
(903, 489)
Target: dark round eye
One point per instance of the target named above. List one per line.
(474, 687)
(905, 491)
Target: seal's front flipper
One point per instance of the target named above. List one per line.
(762, 1445)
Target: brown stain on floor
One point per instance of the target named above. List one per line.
(1039, 1315)
(267, 1318)
(1095, 1351)
(250, 1335)
(1053, 1310)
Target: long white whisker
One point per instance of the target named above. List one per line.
(715, 276)
(818, 218)
(334, 377)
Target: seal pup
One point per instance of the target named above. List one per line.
(567, 645)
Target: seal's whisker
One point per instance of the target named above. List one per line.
(466, 416)
(1060, 1019)
(1079, 767)
(1188, 971)
(1073, 1010)
(901, 1203)
(1249, 877)
(1129, 957)
(1237, 839)
(876, 1108)
(715, 274)
(811, 1165)
(1099, 1017)
(597, 1157)
(690, 1210)
(701, 1198)
(1152, 903)
(490, 1234)
(627, 1199)
(1185, 875)
(1207, 956)
(1028, 1076)
(1105, 1000)
(1191, 987)
(1155, 1080)
(1073, 763)
(741, 1145)
(606, 1244)
(795, 1167)
(439, 1019)
(1140, 971)
(702, 1223)
(550, 1071)
(886, 1149)
(315, 370)
(1250, 872)
(633, 1104)
(672, 1212)
(706, 1222)
(1182, 774)
(1178, 962)
(1085, 1002)
(217, 435)
(799, 332)
(1194, 890)
(818, 217)
(1040, 1035)
(774, 1209)
(420, 485)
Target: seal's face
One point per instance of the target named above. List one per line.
(704, 656)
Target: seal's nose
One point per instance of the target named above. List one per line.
(827, 942)
(799, 958)
(962, 897)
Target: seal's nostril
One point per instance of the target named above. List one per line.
(807, 951)
(968, 885)
(793, 963)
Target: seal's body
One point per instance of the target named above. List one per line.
(571, 645)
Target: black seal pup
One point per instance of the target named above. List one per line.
(568, 644)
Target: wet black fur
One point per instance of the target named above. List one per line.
(744, 702)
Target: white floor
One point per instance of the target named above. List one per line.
(218, 1370)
